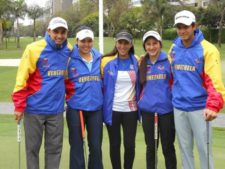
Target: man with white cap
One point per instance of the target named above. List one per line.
(198, 91)
(39, 94)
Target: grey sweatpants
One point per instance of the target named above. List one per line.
(191, 126)
(52, 128)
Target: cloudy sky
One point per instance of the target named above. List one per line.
(37, 2)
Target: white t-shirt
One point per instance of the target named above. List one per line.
(124, 96)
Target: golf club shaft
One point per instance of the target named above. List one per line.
(83, 136)
(207, 132)
(19, 141)
(156, 137)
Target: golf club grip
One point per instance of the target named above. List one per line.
(18, 132)
(82, 124)
(156, 126)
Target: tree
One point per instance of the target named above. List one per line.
(155, 9)
(132, 21)
(4, 8)
(34, 12)
(115, 9)
(221, 23)
(19, 10)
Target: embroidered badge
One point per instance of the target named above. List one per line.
(172, 55)
(45, 63)
(148, 69)
(161, 67)
(74, 72)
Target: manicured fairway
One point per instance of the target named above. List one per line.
(9, 148)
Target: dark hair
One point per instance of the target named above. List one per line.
(78, 29)
(115, 51)
(142, 69)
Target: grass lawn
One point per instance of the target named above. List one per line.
(9, 148)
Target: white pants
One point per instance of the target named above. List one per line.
(190, 126)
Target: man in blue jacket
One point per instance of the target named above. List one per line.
(39, 94)
(198, 91)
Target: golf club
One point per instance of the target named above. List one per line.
(207, 142)
(156, 137)
(19, 140)
(83, 136)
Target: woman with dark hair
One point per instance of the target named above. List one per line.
(84, 100)
(119, 70)
(155, 78)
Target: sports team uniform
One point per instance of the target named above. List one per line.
(156, 97)
(40, 93)
(84, 93)
(197, 85)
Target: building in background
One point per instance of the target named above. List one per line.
(196, 3)
(61, 5)
(136, 3)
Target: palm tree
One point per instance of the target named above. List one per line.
(19, 9)
(34, 12)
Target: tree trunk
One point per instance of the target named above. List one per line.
(34, 30)
(6, 42)
(221, 27)
(1, 34)
(17, 34)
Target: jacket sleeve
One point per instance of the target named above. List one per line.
(69, 83)
(212, 78)
(26, 68)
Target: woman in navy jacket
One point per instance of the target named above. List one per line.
(155, 78)
(120, 77)
(84, 98)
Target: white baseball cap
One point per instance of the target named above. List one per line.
(57, 22)
(85, 33)
(185, 17)
(152, 34)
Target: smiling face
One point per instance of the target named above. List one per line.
(152, 47)
(123, 47)
(185, 32)
(59, 35)
(85, 45)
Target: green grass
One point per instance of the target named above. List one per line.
(9, 148)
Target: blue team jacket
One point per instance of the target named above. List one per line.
(40, 87)
(156, 93)
(84, 87)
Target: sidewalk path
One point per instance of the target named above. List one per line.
(9, 62)
(7, 108)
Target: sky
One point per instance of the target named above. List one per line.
(36, 2)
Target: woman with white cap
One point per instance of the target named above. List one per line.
(119, 70)
(84, 100)
(156, 100)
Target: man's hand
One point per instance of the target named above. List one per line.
(209, 115)
(18, 116)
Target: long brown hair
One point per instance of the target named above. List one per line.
(142, 69)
